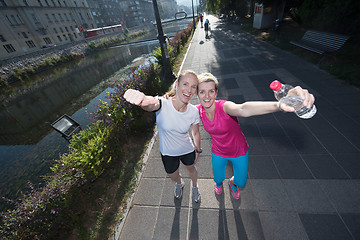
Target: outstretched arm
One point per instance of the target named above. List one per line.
(148, 103)
(249, 109)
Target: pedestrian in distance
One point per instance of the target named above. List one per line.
(206, 27)
(219, 118)
(175, 116)
(201, 19)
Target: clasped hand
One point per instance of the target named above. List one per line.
(138, 98)
(304, 94)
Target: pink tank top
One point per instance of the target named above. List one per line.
(227, 138)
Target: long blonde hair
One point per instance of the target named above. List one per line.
(172, 91)
(208, 77)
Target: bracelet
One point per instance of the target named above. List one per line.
(278, 106)
(198, 151)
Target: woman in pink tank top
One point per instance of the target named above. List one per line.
(219, 118)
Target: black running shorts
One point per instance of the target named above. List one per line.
(171, 163)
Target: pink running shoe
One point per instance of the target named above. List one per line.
(234, 190)
(218, 190)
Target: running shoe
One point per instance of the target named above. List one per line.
(218, 189)
(234, 190)
(196, 194)
(178, 189)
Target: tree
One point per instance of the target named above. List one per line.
(331, 15)
(232, 7)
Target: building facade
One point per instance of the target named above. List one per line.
(106, 12)
(137, 12)
(29, 25)
(167, 8)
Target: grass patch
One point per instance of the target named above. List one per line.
(345, 65)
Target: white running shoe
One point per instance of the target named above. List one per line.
(196, 194)
(178, 189)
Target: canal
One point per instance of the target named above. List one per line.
(28, 144)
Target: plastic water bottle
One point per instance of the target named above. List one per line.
(280, 93)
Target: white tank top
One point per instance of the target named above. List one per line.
(173, 127)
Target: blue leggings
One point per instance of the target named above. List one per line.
(240, 168)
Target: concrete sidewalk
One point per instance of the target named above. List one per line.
(303, 180)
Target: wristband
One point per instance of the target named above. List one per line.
(198, 151)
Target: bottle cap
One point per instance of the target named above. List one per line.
(275, 85)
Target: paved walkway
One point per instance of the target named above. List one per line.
(303, 174)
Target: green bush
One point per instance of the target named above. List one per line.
(89, 151)
(91, 44)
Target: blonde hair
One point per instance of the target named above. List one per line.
(208, 77)
(172, 92)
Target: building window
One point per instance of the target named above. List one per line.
(61, 30)
(24, 35)
(2, 38)
(25, 2)
(65, 37)
(65, 4)
(71, 27)
(47, 40)
(59, 3)
(14, 19)
(9, 48)
(30, 44)
(34, 18)
(75, 3)
(54, 17)
(61, 18)
(53, 3)
(71, 16)
(66, 29)
(59, 38)
(3, 3)
(47, 3)
(21, 21)
(75, 35)
(66, 17)
(81, 16)
(48, 18)
(40, 3)
(42, 31)
(55, 31)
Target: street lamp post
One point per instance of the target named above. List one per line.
(192, 4)
(168, 74)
